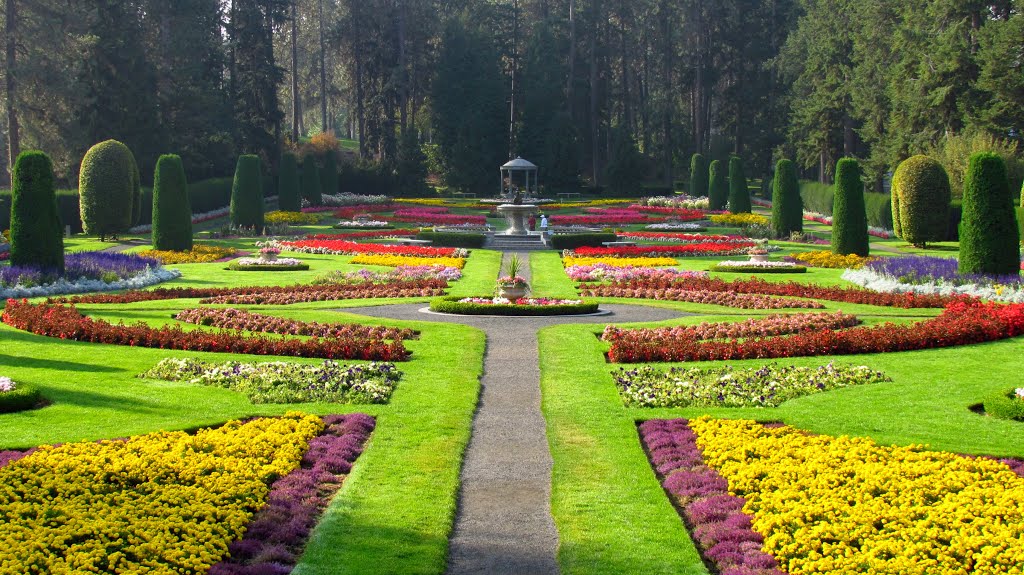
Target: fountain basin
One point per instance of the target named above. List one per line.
(517, 215)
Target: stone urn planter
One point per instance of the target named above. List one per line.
(758, 257)
(512, 293)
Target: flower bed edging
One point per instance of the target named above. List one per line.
(450, 304)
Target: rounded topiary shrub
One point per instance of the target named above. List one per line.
(172, 213)
(849, 216)
(787, 205)
(739, 195)
(329, 174)
(311, 185)
(698, 176)
(36, 235)
(21, 398)
(288, 199)
(106, 188)
(989, 238)
(247, 194)
(718, 192)
(920, 200)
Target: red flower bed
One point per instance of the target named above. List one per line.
(742, 301)
(759, 286)
(604, 220)
(364, 235)
(352, 248)
(695, 249)
(681, 237)
(250, 321)
(428, 216)
(66, 323)
(773, 325)
(961, 323)
(347, 212)
(683, 214)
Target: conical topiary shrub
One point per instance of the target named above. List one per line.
(849, 215)
(288, 199)
(698, 176)
(920, 200)
(329, 174)
(739, 195)
(136, 193)
(172, 212)
(312, 190)
(247, 194)
(718, 192)
(106, 188)
(36, 235)
(787, 205)
(989, 238)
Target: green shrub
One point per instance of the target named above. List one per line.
(989, 237)
(698, 175)
(849, 218)
(311, 185)
(1005, 405)
(787, 207)
(453, 239)
(247, 194)
(920, 200)
(172, 213)
(573, 241)
(288, 184)
(329, 174)
(451, 304)
(36, 235)
(739, 194)
(718, 194)
(23, 397)
(106, 184)
(757, 269)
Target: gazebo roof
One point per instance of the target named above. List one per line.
(519, 164)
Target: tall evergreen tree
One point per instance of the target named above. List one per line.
(625, 170)
(718, 194)
(312, 185)
(787, 205)
(849, 215)
(739, 192)
(36, 235)
(288, 199)
(989, 237)
(411, 168)
(247, 194)
(172, 213)
(255, 76)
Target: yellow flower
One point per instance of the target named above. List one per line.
(295, 218)
(740, 219)
(200, 253)
(395, 261)
(620, 262)
(827, 259)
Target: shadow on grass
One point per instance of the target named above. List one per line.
(35, 362)
(101, 400)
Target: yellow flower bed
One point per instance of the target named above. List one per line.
(827, 259)
(293, 218)
(200, 254)
(162, 503)
(422, 201)
(847, 505)
(740, 219)
(395, 261)
(620, 262)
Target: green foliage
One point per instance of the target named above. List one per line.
(247, 194)
(989, 237)
(920, 200)
(106, 184)
(698, 176)
(849, 217)
(954, 151)
(739, 193)
(625, 169)
(288, 184)
(329, 174)
(787, 206)
(453, 239)
(451, 304)
(1005, 405)
(255, 75)
(172, 213)
(312, 191)
(411, 169)
(36, 234)
(573, 241)
(718, 194)
(820, 198)
(23, 397)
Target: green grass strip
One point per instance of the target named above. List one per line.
(548, 277)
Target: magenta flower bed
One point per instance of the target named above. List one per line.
(230, 318)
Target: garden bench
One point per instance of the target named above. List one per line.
(568, 195)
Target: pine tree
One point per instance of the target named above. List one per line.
(698, 176)
(172, 212)
(288, 184)
(787, 205)
(247, 194)
(849, 215)
(739, 193)
(989, 237)
(256, 76)
(36, 234)
(718, 194)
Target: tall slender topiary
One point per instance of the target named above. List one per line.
(312, 191)
(787, 205)
(172, 212)
(1022, 194)
(136, 193)
(106, 188)
(849, 215)
(329, 174)
(718, 192)
(698, 176)
(739, 194)
(36, 235)
(989, 238)
(288, 184)
(920, 200)
(247, 194)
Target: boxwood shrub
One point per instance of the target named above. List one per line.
(107, 186)
(172, 215)
(849, 220)
(787, 207)
(699, 176)
(451, 304)
(453, 239)
(989, 238)
(23, 397)
(920, 200)
(739, 192)
(573, 241)
(757, 270)
(247, 194)
(1005, 405)
(718, 192)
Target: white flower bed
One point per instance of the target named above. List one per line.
(61, 287)
(680, 227)
(285, 262)
(753, 264)
(361, 224)
(686, 202)
(882, 283)
(346, 199)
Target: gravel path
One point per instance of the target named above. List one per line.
(504, 525)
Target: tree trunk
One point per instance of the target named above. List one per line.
(822, 179)
(295, 72)
(13, 132)
(360, 114)
(698, 83)
(323, 72)
(849, 139)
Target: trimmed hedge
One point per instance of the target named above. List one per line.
(453, 239)
(288, 199)
(820, 198)
(718, 194)
(247, 194)
(329, 174)
(920, 200)
(172, 214)
(36, 235)
(1005, 406)
(739, 192)
(234, 266)
(757, 270)
(698, 175)
(573, 241)
(787, 206)
(106, 184)
(450, 304)
(849, 220)
(312, 190)
(23, 397)
(989, 237)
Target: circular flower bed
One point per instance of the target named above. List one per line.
(500, 306)
(17, 396)
(752, 267)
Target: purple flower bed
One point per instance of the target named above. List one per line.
(9, 456)
(277, 533)
(104, 266)
(923, 269)
(721, 529)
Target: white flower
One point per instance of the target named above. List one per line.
(147, 278)
(6, 384)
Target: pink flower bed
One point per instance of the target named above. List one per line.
(598, 272)
(683, 214)
(619, 219)
(773, 325)
(682, 238)
(431, 216)
(728, 248)
(230, 318)
(344, 247)
(742, 301)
